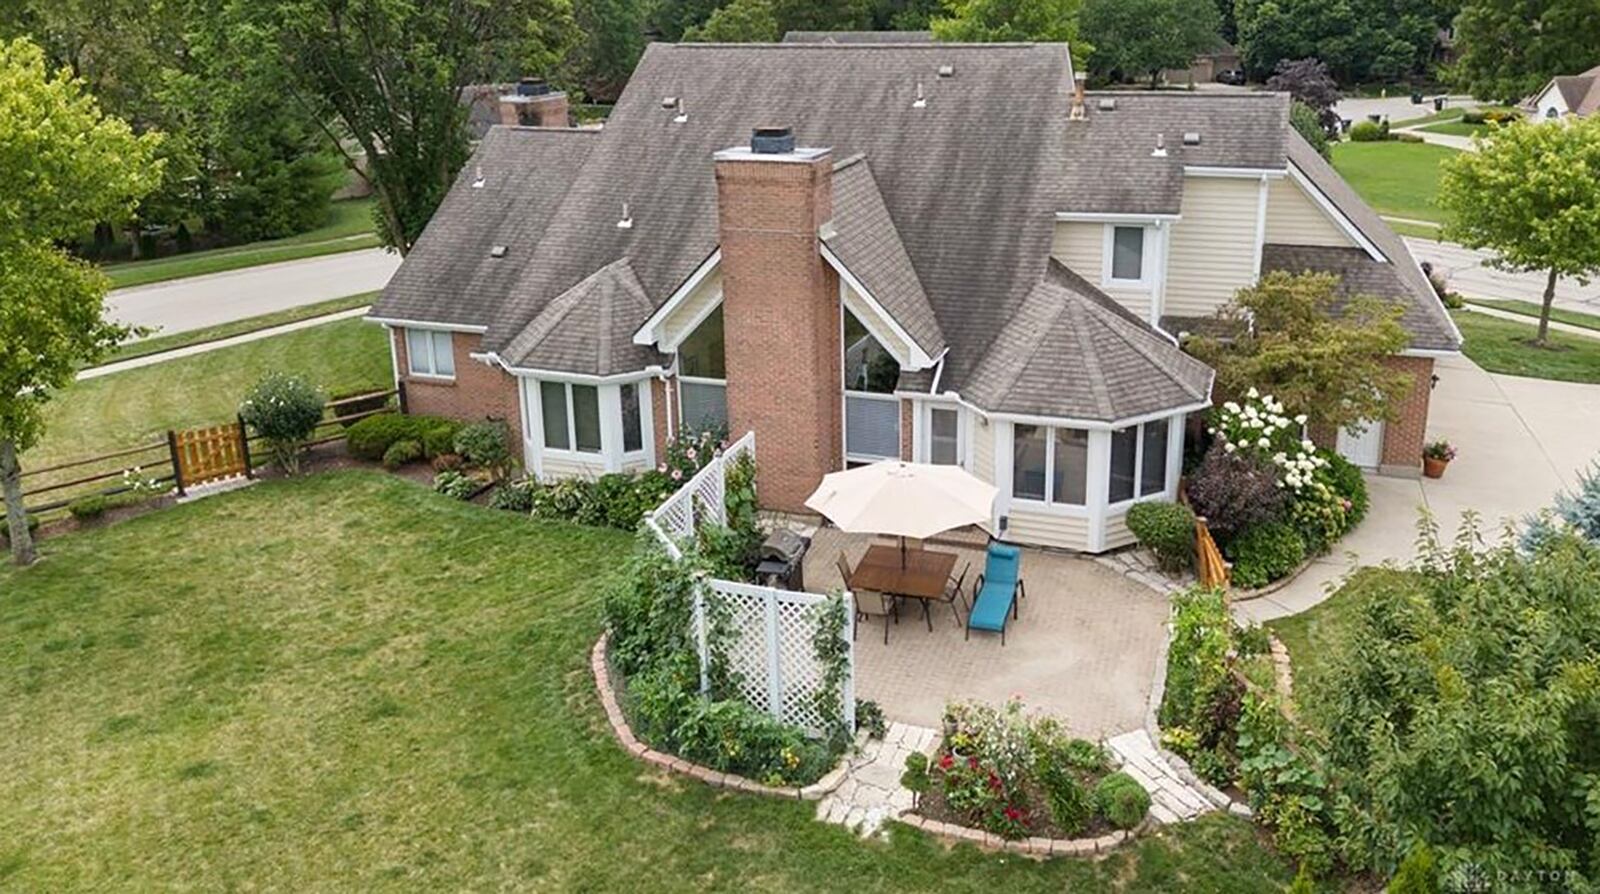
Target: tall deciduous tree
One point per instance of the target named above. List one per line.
(1141, 37)
(742, 21)
(1358, 39)
(1531, 194)
(990, 21)
(1510, 48)
(383, 78)
(62, 162)
(1320, 354)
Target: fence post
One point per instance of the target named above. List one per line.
(700, 639)
(774, 662)
(849, 607)
(404, 408)
(244, 447)
(177, 465)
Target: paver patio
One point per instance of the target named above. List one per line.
(1084, 649)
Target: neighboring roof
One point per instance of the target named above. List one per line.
(864, 239)
(483, 106)
(576, 332)
(1430, 326)
(858, 37)
(1237, 130)
(1072, 351)
(450, 275)
(970, 180)
(1581, 92)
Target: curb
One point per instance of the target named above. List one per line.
(1038, 847)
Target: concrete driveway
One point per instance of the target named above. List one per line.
(1469, 273)
(198, 301)
(1520, 441)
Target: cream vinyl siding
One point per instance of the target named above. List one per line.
(1117, 533)
(875, 323)
(639, 462)
(1213, 251)
(983, 448)
(1294, 218)
(693, 309)
(563, 465)
(1038, 528)
(1080, 247)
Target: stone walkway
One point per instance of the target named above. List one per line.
(1171, 799)
(871, 790)
(1139, 566)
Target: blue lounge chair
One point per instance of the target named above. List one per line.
(998, 589)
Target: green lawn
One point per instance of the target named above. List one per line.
(157, 344)
(1423, 231)
(1396, 178)
(1501, 346)
(130, 408)
(347, 682)
(1457, 128)
(1531, 309)
(350, 228)
(1452, 113)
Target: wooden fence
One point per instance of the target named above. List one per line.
(182, 458)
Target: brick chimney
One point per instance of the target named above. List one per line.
(534, 103)
(781, 312)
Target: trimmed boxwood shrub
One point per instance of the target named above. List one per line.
(1168, 530)
(1367, 132)
(402, 452)
(372, 437)
(1265, 553)
(96, 505)
(366, 405)
(1121, 800)
(486, 445)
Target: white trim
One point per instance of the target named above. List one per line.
(434, 327)
(1108, 217)
(1261, 229)
(647, 334)
(432, 373)
(899, 434)
(532, 427)
(1158, 292)
(922, 431)
(918, 358)
(798, 155)
(671, 346)
(1240, 173)
(1334, 214)
(394, 353)
(560, 376)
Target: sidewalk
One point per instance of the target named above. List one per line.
(1555, 325)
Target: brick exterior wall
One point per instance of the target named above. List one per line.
(1404, 436)
(549, 110)
(478, 392)
(658, 414)
(907, 445)
(782, 315)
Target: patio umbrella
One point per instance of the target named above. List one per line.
(903, 499)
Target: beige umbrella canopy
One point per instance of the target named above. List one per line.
(903, 499)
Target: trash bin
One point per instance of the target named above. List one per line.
(1438, 103)
(1416, 97)
(782, 562)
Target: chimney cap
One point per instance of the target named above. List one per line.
(772, 140)
(532, 86)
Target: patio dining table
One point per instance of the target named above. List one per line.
(919, 573)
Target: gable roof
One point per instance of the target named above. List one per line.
(576, 331)
(864, 239)
(1581, 92)
(1426, 320)
(1071, 351)
(451, 275)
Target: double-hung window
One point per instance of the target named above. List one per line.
(1126, 256)
(1138, 461)
(429, 353)
(1050, 465)
(571, 416)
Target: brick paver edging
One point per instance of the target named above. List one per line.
(630, 742)
(1038, 847)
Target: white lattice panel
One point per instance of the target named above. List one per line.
(770, 650)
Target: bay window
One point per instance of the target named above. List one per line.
(571, 416)
(1138, 461)
(430, 353)
(1049, 464)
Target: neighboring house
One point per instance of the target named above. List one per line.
(1206, 66)
(530, 101)
(942, 253)
(1570, 96)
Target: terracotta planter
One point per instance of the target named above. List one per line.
(1434, 468)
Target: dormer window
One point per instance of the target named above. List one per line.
(1126, 248)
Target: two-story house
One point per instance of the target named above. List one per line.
(944, 253)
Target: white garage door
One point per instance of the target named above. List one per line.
(1364, 448)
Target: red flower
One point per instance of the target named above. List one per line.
(1013, 814)
(972, 763)
(946, 761)
(994, 782)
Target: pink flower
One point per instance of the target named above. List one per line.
(661, 468)
(677, 474)
(690, 453)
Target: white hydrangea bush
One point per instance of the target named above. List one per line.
(1261, 427)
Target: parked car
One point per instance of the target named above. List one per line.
(1234, 76)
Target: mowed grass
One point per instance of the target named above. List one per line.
(1399, 179)
(136, 406)
(1503, 346)
(1531, 309)
(347, 682)
(158, 343)
(349, 227)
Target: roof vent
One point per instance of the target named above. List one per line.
(772, 140)
(477, 178)
(498, 251)
(1107, 104)
(626, 223)
(947, 70)
(921, 102)
(1161, 147)
(669, 102)
(1191, 138)
(683, 116)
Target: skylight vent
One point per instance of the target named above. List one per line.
(477, 178)
(1161, 147)
(1191, 138)
(921, 101)
(1107, 104)
(626, 223)
(498, 251)
(947, 70)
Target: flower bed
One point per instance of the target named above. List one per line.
(1017, 777)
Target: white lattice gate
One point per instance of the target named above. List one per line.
(769, 649)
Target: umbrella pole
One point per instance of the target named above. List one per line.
(902, 553)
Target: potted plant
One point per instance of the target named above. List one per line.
(1435, 456)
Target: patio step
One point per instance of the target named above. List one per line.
(870, 791)
(1171, 799)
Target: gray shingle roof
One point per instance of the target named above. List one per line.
(864, 238)
(1581, 92)
(576, 332)
(1072, 351)
(1425, 319)
(1359, 274)
(450, 276)
(858, 37)
(1115, 171)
